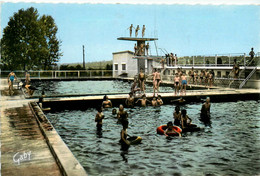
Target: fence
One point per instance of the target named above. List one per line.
(214, 60)
(55, 74)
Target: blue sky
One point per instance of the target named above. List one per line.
(183, 29)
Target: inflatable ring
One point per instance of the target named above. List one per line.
(162, 128)
(134, 140)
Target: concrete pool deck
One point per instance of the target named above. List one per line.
(25, 149)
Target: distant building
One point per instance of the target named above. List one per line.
(124, 64)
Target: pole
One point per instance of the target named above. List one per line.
(84, 67)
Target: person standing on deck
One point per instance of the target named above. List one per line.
(183, 83)
(154, 81)
(176, 59)
(235, 69)
(10, 79)
(136, 30)
(141, 78)
(136, 49)
(201, 76)
(130, 29)
(143, 31)
(177, 83)
(191, 74)
(196, 77)
(147, 48)
(157, 80)
(252, 55)
(27, 78)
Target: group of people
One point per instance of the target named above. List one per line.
(171, 59)
(136, 30)
(180, 80)
(142, 49)
(205, 77)
(29, 88)
(180, 117)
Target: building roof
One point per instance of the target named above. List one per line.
(121, 52)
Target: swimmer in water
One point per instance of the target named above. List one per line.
(114, 111)
(154, 101)
(106, 102)
(177, 116)
(122, 115)
(177, 83)
(123, 133)
(99, 118)
(205, 109)
(183, 83)
(185, 120)
(159, 100)
(143, 101)
(141, 77)
(170, 130)
(130, 100)
(10, 79)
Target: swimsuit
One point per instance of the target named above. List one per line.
(184, 82)
(12, 78)
(141, 79)
(177, 83)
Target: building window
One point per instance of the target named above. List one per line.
(227, 74)
(219, 74)
(123, 66)
(116, 66)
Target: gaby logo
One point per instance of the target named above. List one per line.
(19, 157)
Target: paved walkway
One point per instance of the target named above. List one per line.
(23, 147)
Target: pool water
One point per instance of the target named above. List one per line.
(89, 87)
(231, 146)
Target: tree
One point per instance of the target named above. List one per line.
(29, 41)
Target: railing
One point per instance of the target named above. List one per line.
(55, 74)
(247, 78)
(217, 60)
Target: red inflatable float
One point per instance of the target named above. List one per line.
(162, 128)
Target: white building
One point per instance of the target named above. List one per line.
(124, 64)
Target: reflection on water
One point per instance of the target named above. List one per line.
(231, 146)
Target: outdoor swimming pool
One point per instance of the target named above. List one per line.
(230, 147)
(89, 87)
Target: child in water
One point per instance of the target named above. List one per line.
(170, 130)
(154, 101)
(99, 118)
(143, 101)
(185, 120)
(177, 116)
(159, 100)
(122, 115)
(106, 102)
(130, 100)
(123, 134)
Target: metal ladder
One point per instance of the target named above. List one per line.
(247, 78)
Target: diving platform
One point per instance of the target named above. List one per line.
(137, 39)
